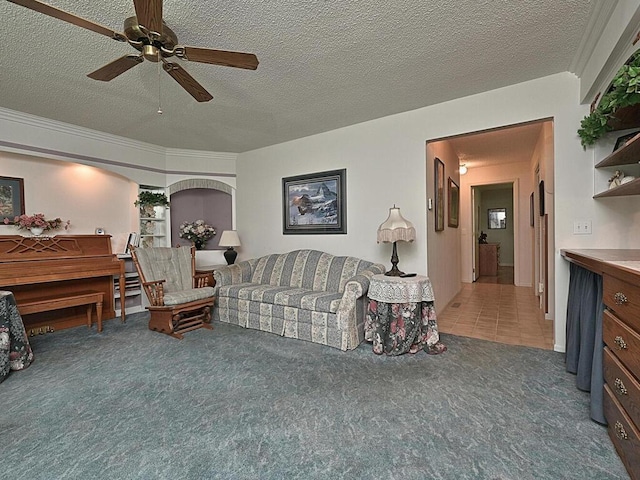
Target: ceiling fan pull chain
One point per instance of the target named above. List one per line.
(159, 92)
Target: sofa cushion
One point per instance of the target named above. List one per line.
(190, 295)
(283, 295)
(308, 269)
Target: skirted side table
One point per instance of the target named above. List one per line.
(401, 316)
(15, 351)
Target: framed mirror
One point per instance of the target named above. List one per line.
(497, 218)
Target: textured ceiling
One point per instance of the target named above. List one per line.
(324, 64)
(496, 147)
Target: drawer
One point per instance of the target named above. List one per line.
(624, 299)
(623, 434)
(624, 386)
(622, 341)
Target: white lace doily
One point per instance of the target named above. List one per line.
(400, 290)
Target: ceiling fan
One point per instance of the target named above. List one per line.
(155, 41)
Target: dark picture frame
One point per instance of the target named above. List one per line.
(11, 199)
(315, 203)
(531, 210)
(541, 197)
(496, 218)
(624, 139)
(454, 204)
(439, 194)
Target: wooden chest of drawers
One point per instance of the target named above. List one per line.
(621, 335)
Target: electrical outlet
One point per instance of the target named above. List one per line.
(582, 227)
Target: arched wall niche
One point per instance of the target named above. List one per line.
(198, 183)
(201, 199)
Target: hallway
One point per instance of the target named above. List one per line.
(497, 312)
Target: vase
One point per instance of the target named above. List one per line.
(36, 231)
(199, 244)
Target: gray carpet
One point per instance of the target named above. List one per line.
(241, 404)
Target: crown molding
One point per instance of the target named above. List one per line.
(74, 130)
(78, 131)
(598, 18)
(200, 154)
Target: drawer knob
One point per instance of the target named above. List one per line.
(621, 433)
(620, 388)
(620, 343)
(620, 298)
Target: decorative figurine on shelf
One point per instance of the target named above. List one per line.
(616, 180)
(483, 237)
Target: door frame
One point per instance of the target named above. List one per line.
(475, 213)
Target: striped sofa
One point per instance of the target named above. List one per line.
(304, 294)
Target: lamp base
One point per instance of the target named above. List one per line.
(394, 272)
(230, 255)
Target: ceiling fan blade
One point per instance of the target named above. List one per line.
(149, 14)
(186, 81)
(218, 57)
(70, 18)
(115, 68)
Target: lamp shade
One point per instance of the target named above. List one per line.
(229, 238)
(395, 228)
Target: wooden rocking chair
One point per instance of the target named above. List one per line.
(180, 299)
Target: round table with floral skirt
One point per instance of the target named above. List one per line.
(401, 316)
(15, 351)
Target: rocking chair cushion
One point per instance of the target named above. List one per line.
(186, 296)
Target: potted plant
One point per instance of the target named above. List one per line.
(148, 200)
(623, 92)
(38, 224)
(197, 232)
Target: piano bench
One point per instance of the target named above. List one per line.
(45, 304)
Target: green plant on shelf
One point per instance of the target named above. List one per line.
(624, 92)
(153, 199)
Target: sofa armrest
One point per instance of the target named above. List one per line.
(232, 274)
(358, 285)
(355, 288)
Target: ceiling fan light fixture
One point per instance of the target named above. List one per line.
(150, 53)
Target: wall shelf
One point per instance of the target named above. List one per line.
(133, 290)
(629, 154)
(629, 188)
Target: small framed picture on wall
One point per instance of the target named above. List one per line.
(11, 199)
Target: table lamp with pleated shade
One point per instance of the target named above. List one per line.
(396, 228)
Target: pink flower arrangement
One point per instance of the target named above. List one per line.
(197, 232)
(37, 220)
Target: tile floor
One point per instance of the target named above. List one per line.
(497, 312)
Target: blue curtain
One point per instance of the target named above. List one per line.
(584, 336)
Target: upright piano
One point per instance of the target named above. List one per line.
(36, 267)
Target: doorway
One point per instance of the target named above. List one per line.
(508, 308)
(493, 218)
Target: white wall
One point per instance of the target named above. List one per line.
(385, 161)
(87, 196)
(444, 270)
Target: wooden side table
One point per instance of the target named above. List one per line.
(489, 258)
(401, 316)
(209, 269)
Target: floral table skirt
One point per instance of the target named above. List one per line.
(15, 351)
(397, 328)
